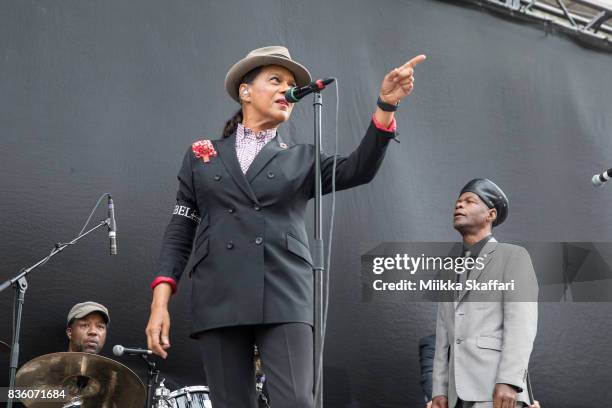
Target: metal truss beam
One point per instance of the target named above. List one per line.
(585, 19)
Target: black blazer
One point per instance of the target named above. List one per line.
(249, 260)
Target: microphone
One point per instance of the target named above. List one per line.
(119, 350)
(599, 179)
(296, 93)
(112, 226)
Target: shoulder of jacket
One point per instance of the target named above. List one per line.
(513, 248)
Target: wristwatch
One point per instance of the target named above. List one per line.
(387, 107)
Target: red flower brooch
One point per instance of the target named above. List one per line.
(204, 149)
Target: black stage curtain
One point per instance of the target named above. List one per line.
(106, 96)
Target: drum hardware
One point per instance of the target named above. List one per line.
(261, 396)
(162, 396)
(260, 379)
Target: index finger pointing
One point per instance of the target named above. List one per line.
(415, 61)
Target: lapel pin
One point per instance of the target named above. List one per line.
(283, 145)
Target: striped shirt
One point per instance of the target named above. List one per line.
(249, 144)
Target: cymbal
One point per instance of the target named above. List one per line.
(5, 348)
(97, 381)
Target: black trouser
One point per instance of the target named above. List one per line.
(286, 352)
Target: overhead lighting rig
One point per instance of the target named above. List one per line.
(588, 20)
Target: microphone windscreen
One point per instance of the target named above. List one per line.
(596, 180)
(118, 350)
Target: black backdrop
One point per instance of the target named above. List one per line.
(106, 96)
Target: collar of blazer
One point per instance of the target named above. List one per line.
(227, 152)
(487, 254)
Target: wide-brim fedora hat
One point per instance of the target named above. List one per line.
(273, 55)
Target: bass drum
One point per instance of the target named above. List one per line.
(190, 397)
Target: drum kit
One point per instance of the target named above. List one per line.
(83, 380)
(92, 381)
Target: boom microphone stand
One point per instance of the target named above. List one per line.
(20, 284)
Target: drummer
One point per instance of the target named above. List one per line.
(87, 324)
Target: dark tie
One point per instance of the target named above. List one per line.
(462, 277)
(465, 275)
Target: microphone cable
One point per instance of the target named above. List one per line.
(93, 210)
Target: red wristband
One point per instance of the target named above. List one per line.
(164, 279)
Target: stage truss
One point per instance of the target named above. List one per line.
(588, 20)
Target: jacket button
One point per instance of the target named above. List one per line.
(258, 240)
(230, 210)
(217, 177)
(229, 245)
(271, 175)
(256, 207)
(458, 341)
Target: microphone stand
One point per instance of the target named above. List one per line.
(152, 378)
(318, 256)
(20, 284)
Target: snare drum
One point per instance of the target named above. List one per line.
(190, 397)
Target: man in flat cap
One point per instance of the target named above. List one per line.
(484, 336)
(86, 327)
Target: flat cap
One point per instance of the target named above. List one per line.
(80, 310)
